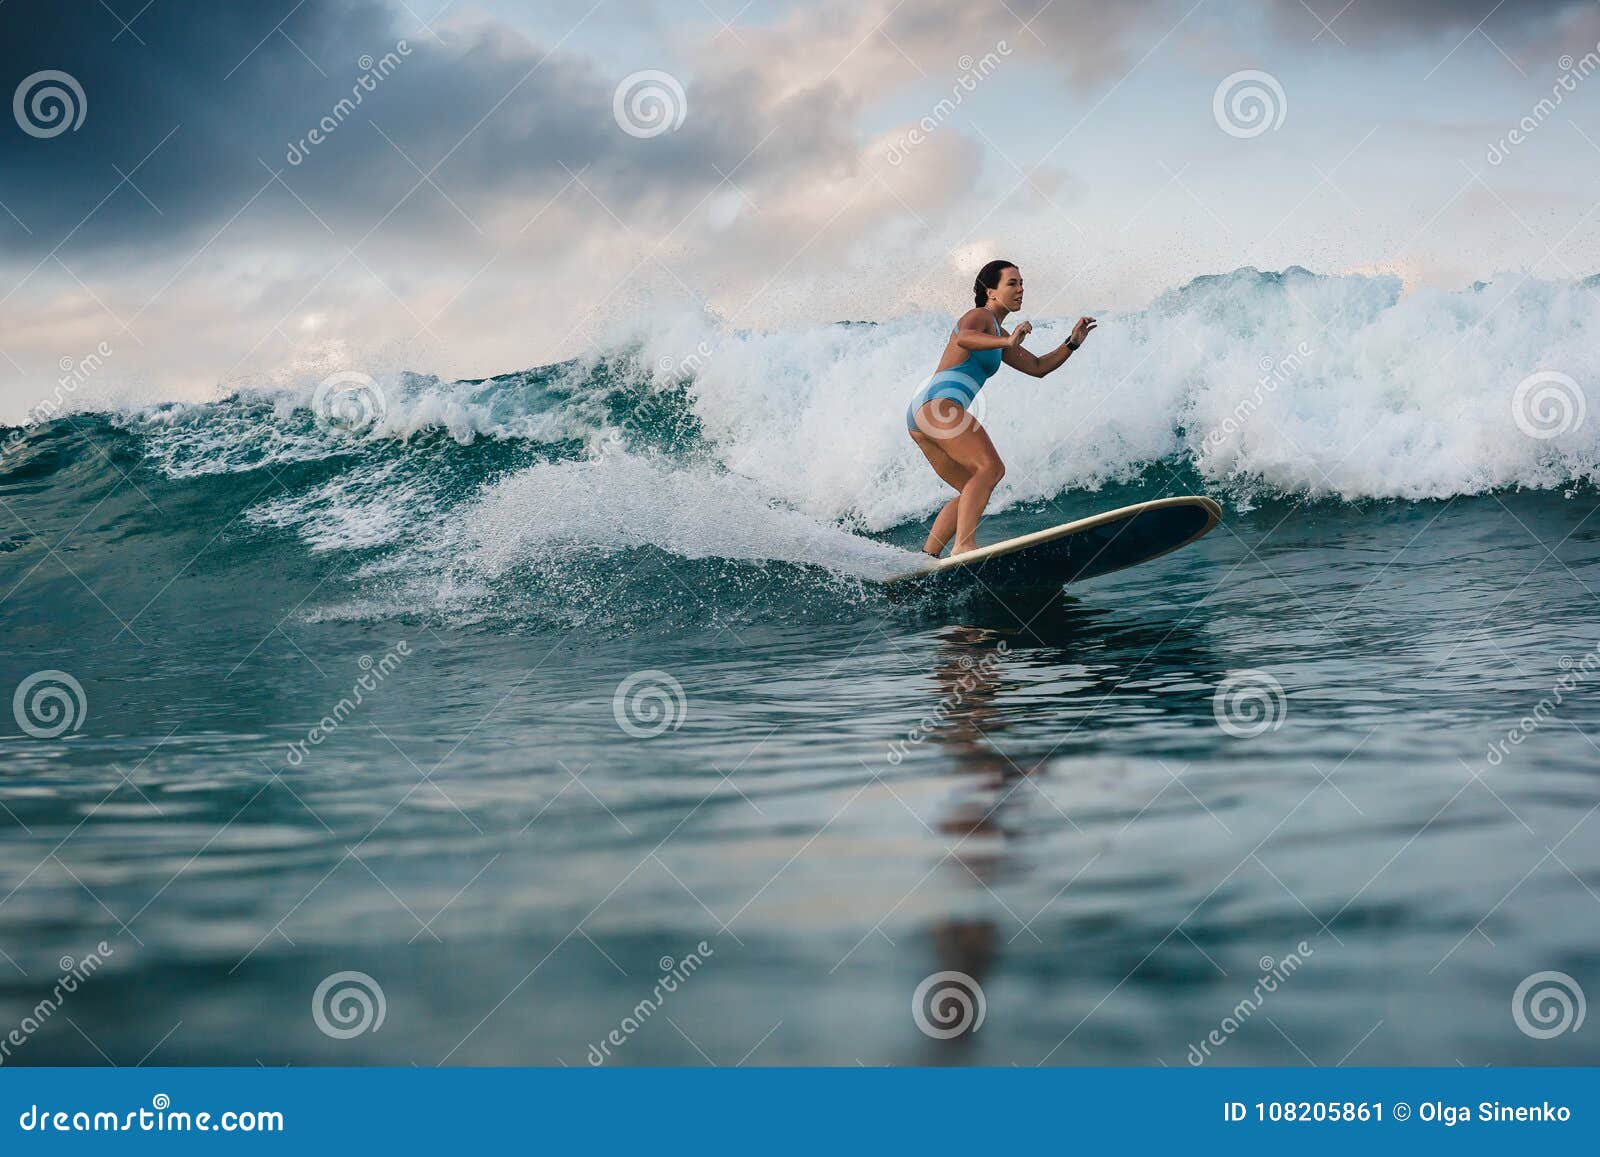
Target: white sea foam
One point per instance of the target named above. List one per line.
(1398, 397)
(621, 501)
(1293, 384)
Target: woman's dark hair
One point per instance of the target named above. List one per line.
(989, 278)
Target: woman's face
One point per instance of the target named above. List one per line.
(1009, 292)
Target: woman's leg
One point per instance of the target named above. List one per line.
(952, 472)
(972, 451)
(944, 528)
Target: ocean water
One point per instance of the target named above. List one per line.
(560, 718)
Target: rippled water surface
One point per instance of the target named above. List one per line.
(817, 800)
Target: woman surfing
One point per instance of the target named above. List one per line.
(939, 417)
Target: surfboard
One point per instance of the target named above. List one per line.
(1085, 549)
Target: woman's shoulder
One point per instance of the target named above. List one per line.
(978, 318)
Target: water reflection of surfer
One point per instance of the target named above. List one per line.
(968, 678)
(972, 730)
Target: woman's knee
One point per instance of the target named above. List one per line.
(991, 471)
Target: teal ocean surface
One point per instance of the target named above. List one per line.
(561, 718)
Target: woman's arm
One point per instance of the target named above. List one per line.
(972, 332)
(1031, 364)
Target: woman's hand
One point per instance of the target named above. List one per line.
(1019, 333)
(1081, 330)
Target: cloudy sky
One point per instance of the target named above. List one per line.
(522, 182)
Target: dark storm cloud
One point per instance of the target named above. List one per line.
(1366, 23)
(167, 78)
(197, 97)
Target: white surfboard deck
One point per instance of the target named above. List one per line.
(1084, 549)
